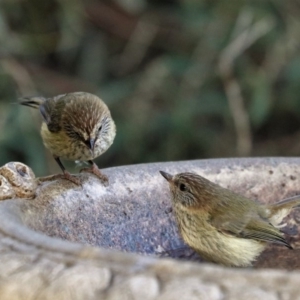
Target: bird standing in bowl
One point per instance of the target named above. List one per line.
(222, 226)
(76, 126)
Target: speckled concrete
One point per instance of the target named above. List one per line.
(134, 213)
(45, 242)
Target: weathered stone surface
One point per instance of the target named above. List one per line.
(137, 287)
(16, 180)
(38, 261)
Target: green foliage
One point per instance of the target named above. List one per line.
(168, 70)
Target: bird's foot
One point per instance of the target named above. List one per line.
(96, 171)
(65, 175)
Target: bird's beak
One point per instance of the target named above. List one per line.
(91, 144)
(168, 176)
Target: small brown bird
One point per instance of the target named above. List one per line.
(76, 126)
(222, 226)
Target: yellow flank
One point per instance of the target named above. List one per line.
(61, 145)
(215, 246)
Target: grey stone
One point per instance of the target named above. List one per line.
(96, 242)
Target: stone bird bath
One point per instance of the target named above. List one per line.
(121, 242)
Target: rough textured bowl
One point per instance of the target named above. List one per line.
(95, 242)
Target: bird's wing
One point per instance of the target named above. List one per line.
(250, 226)
(51, 110)
(261, 230)
(230, 223)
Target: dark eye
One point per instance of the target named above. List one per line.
(182, 187)
(76, 135)
(100, 128)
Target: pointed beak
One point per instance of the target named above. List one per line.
(168, 176)
(91, 144)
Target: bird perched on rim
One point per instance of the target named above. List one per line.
(222, 226)
(76, 126)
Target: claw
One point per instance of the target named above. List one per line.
(96, 171)
(66, 175)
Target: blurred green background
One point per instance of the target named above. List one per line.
(184, 79)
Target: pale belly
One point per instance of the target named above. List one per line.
(222, 248)
(59, 144)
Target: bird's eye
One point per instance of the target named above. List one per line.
(182, 187)
(76, 135)
(100, 128)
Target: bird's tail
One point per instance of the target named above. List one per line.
(34, 102)
(279, 210)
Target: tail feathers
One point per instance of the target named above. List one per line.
(279, 210)
(34, 102)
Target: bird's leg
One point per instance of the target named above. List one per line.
(96, 171)
(65, 175)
